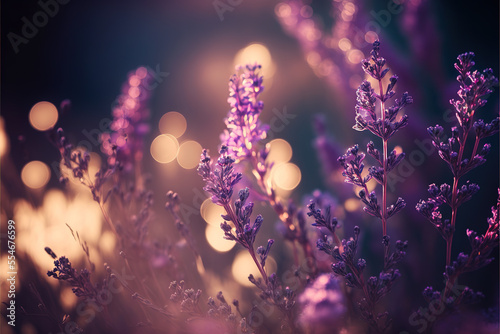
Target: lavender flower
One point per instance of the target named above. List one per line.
(244, 129)
(173, 206)
(383, 126)
(129, 125)
(218, 318)
(283, 298)
(220, 181)
(474, 86)
(221, 178)
(324, 220)
(481, 249)
(79, 280)
(351, 268)
(323, 306)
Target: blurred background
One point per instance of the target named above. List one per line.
(310, 52)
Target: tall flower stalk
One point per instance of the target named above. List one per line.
(347, 264)
(220, 181)
(242, 137)
(384, 126)
(474, 88)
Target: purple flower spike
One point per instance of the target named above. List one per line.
(244, 129)
(221, 178)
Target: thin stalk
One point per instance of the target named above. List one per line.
(454, 207)
(384, 162)
(285, 218)
(234, 218)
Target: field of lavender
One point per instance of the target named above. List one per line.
(293, 166)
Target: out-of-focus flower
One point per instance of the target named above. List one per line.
(323, 306)
(129, 125)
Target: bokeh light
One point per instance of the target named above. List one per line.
(43, 116)
(355, 56)
(287, 176)
(256, 53)
(345, 44)
(4, 141)
(35, 174)
(164, 148)
(107, 243)
(212, 212)
(352, 204)
(243, 266)
(45, 225)
(215, 238)
(279, 151)
(173, 123)
(283, 10)
(68, 299)
(189, 154)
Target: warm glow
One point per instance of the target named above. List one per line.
(68, 299)
(280, 151)
(189, 154)
(215, 237)
(371, 36)
(313, 58)
(173, 123)
(352, 204)
(345, 44)
(43, 116)
(35, 174)
(398, 149)
(212, 212)
(141, 72)
(164, 148)
(375, 83)
(107, 243)
(349, 8)
(287, 176)
(45, 225)
(283, 10)
(256, 53)
(243, 266)
(4, 141)
(371, 185)
(355, 56)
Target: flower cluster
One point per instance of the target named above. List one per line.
(481, 249)
(366, 117)
(283, 298)
(79, 280)
(219, 317)
(220, 181)
(240, 143)
(384, 126)
(221, 178)
(244, 129)
(323, 305)
(351, 268)
(129, 125)
(474, 86)
(76, 162)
